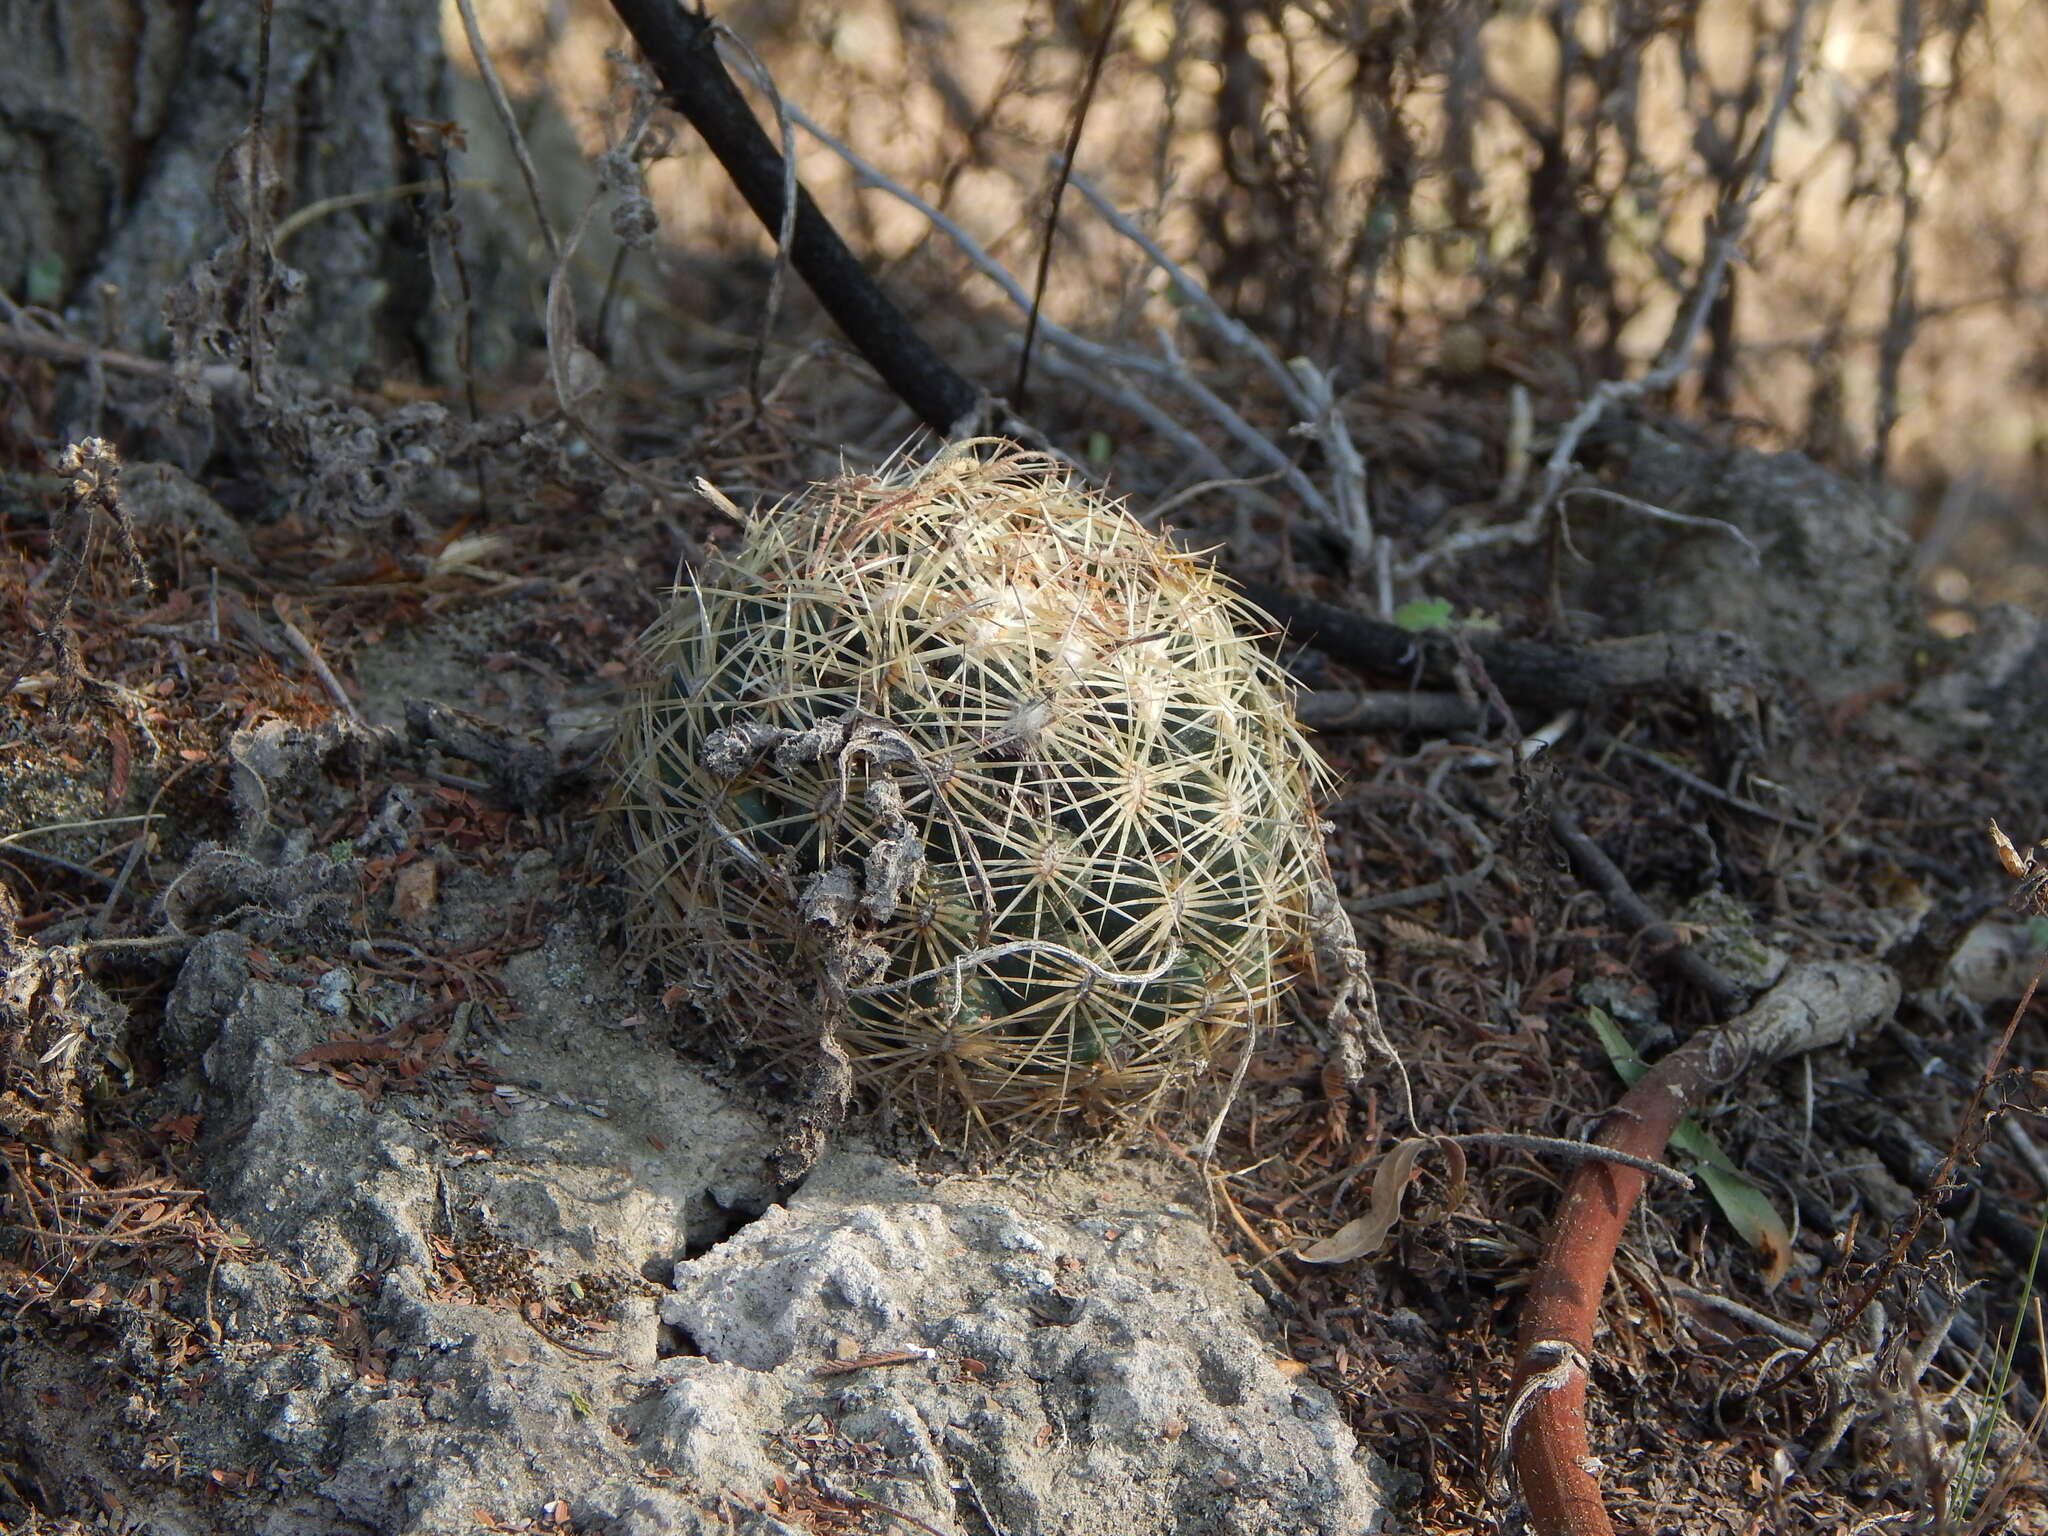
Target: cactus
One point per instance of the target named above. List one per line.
(970, 764)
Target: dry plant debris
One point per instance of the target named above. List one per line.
(56, 1030)
(1484, 951)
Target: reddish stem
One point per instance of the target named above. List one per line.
(1551, 1452)
(1818, 1004)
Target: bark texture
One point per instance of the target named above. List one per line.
(114, 115)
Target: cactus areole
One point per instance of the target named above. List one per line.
(967, 761)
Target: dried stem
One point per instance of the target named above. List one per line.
(510, 121)
(1108, 360)
(1063, 170)
(1817, 1005)
(1597, 870)
(785, 228)
(1731, 219)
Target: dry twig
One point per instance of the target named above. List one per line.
(1730, 220)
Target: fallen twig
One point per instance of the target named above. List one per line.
(1597, 870)
(1336, 710)
(1547, 675)
(1582, 1151)
(1819, 1004)
(313, 659)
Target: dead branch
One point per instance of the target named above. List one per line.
(680, 47)
(1338, 710)
(1597, 870)
(1725, 230)
(1097, 366)
(1105, 34)
(1819, 1004)
(1543, 674)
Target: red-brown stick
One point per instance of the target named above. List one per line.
(1816, 1005)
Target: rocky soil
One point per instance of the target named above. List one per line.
(498, 1254)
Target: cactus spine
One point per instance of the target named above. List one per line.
(970, 759)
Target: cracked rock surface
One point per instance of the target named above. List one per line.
(1080, 1360)
(515, 1256)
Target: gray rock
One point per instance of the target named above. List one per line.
(449, 1289)
(1825, 596)
(1086, 1366)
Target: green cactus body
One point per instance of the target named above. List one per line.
(1004, 753)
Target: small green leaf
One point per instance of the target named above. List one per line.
(1425, 613)
(1628, 1066)
(1747, 1208)
(1099, 448)
(1750, 1212)
(45, 285)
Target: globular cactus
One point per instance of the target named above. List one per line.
(965, 761)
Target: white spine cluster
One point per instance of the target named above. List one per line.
(968, 756)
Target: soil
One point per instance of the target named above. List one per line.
(359, 1178)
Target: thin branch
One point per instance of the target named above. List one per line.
(308, 213)
(1094, 354)
(1059, 189)
(1763, 1322)
(510, 122)
(1584, 1151)
(1352, 521)
(314, 660)
(785, 230)
(1200, 305)
(1707, 787)
(1665, 515)
(680, 46)
(1594, 867)
(1730, 221)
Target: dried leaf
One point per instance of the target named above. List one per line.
(120, 752)
(337, 1052)
(1362, 1237)
(413, 893)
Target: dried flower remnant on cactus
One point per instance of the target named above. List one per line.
(968, 763)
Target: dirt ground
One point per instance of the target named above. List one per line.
(1489, 956)
(353, 765)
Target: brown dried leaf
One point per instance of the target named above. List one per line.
(414, 891)
(336, 1052)
(1362, 1237)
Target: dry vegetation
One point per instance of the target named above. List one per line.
(1470, 190)
(1467, 217)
